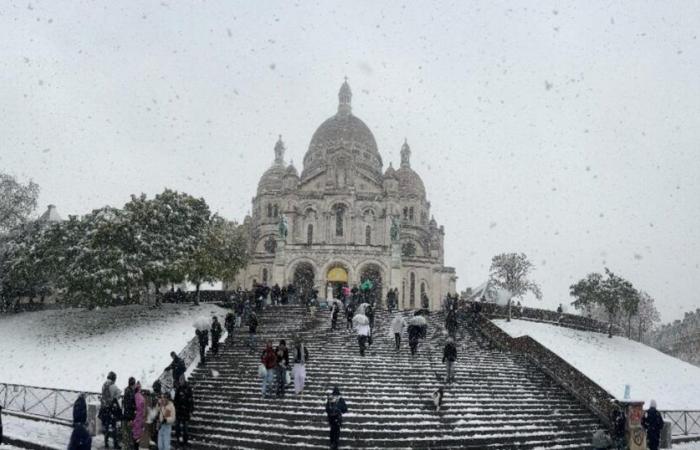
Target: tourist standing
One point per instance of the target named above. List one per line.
(390, 300)
(413, 336)
(129, 403)
(349, 314)
(301, 356)
(276, 294)
(335, 408)
(184, 406)
(269, 360)
(203, 339)
(369, 312)
(397, 326)
(653, 423)
(230, 325)
(80, 438)
(449, 356)
(109, 409)
(451, 322)
(216, 333)
(139, 425)
(334, 315)
(282, 354)
(252, 330)
(166, 418)
(177, 366)
(363, 334)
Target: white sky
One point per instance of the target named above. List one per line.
(565, 130)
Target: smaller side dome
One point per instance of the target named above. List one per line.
(271, 180)
(291, 171)
(390, 173)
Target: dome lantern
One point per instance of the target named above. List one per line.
(405, 154)
(344, 98)
(279, 151)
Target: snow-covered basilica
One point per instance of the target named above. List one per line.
(345, 219)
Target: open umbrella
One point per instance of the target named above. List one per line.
(336, 301)
(361, 309)
(366, 285)
(418, 320)
(360, 319)
(202, 323)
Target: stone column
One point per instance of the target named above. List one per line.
(279, 264)
(395, 275)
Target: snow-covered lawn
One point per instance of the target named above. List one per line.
(75, 349)
(43, 433)
(614, 362)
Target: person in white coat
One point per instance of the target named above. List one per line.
(363, 333)
(397, 326)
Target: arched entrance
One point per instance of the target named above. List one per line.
(303, 280)
(336, 278)
(373, 273)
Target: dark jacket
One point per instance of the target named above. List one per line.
(297, 355)
(216, 330)
(653, 423)
(178, 367)
(252, 323)
(335, 408)
(414, 332)
(79, 410)
(80, 439)
(450, 352)
(269, 358)
(184, 402)
(203, 336)
(229, 322)
(129, 403)
(282, 355)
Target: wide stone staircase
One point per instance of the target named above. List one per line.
(498, 401)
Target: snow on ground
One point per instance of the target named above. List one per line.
(43, 433)
(614, 362)
(75, 349)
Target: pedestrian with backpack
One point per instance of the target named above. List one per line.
(335, 408)
(449, 356)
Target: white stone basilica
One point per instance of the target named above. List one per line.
(345, 220)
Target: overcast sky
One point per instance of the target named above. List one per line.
(566, 130)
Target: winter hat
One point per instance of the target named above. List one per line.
(336, 391)
(652, 404)
(112, 376)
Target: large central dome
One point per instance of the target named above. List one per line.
(342, 136)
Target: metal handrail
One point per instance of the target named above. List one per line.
(685, 423)
(51, 403)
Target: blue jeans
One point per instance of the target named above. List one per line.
(164, 436)
(267, 380)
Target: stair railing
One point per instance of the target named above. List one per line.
(45, 403)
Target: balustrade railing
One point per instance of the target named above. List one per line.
(685, 423)
(54, 404)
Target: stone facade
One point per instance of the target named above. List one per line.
(332, 224)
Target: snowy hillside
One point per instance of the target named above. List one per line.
(613, 363)
(75, 349)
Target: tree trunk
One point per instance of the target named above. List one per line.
(196, 297)
(509, 313)
(629, 327)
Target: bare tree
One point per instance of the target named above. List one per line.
(17, 201)
(510, 271)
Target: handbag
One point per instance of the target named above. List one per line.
(262, 370)
(287, 376)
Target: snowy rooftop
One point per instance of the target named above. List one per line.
(614, 362)
(75, 349)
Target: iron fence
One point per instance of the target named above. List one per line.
(55, 404)
(685, 423)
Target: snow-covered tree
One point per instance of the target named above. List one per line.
(510, 271)
(17, 201)
(647, 315)
(221, 254)
(612, 293)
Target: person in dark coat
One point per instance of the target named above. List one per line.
(216, 332)
(334, 315)
(449, 356)
(335, 408)
(282, 363)
(129, 414)
(203, 338)
(184, 407)
(178, 367)
(653, 423)
(369, 312)
(80, 438)
(349, 314)
(110, 412)
(0, 424)
(618, 428)
(414, 332)
(230, 325)
(451, 322)
(276, 294)
(80, 410)
(252, 330)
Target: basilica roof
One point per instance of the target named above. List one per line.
(271, 180)
(343, 133)
(410, 183)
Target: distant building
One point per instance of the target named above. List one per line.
(50, 215)
(346, 219)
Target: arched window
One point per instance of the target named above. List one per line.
(405, 214)
(422, 289)
(412, 291)
(339, 212)
(264, 275)
(368, 235)
(310, 234)
(275, 211)
(269, 210)
(410, 213)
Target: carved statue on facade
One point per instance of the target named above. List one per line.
(395, 231)
(283, 227)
